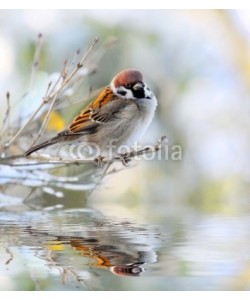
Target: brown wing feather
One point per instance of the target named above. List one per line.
(89, 116)
(88, 120)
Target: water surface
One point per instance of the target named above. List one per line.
(81, 249)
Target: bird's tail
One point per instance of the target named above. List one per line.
(43, 145)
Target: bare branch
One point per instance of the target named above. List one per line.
(35, 60)
(128, 155)
(45, 121)
(6, 118)
(24, 126)
(100, 179)
(55, 94)
(80, 64)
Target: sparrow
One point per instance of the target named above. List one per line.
(119, 115)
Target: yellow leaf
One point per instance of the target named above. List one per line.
(55, 122)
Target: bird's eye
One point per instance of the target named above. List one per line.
(128, 85)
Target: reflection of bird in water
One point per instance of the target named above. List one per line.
(105, 249)
(109, 257)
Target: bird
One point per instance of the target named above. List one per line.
(118, 116)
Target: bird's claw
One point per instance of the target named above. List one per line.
(124, 159)
(99, 161)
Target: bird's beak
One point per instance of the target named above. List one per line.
(138, 86)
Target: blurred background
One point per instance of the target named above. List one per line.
(191, 216)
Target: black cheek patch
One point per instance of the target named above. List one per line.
(122, 93)
(138, 93)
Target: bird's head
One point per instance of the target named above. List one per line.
(129, 84)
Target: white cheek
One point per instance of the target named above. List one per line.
(128, 95)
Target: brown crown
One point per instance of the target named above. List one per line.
(127, 76)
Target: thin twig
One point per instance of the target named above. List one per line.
(6, 113)
(45, 121)
(62, 76)
(100, 180)
(5, 119)
(79, 65)
(25, 125)
(52, 89)
(35, 60)
(25, 200)
(90, 96)
(51, 96)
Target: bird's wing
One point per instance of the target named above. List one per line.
(105, 108)
(98, 112)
